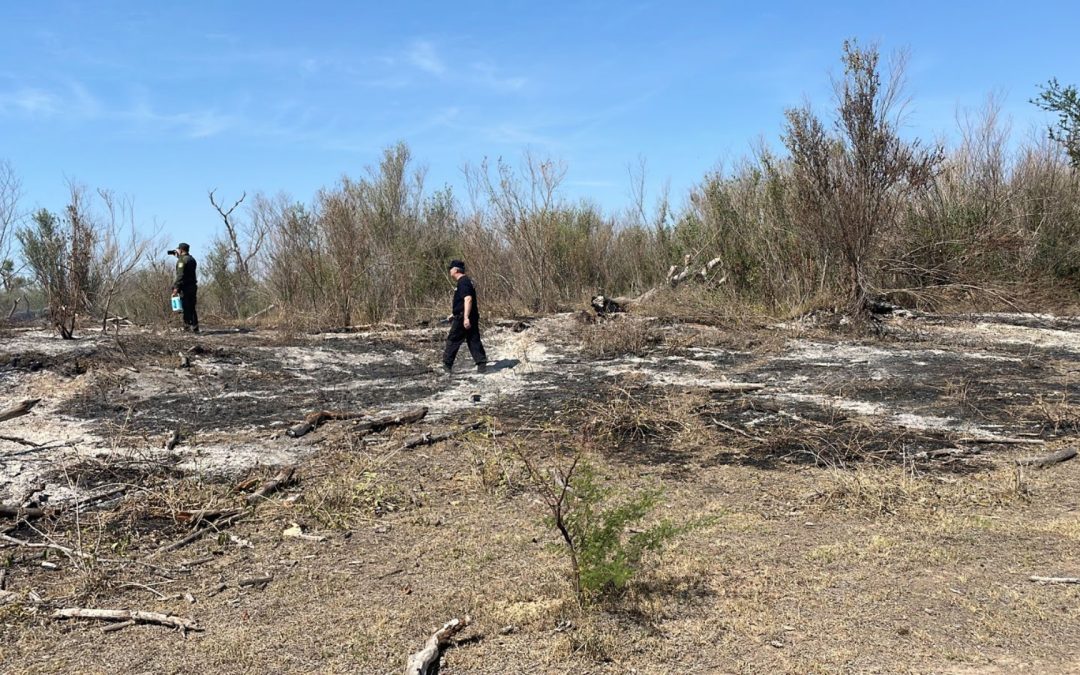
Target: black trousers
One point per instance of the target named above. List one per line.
(189, 297)
(459, 334)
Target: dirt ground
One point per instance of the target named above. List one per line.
(865, 512)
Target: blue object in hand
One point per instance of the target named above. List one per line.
(177, 306)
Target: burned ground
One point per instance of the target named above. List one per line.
(837, 539)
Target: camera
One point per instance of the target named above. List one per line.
(171, 251)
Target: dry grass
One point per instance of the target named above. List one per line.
(618, 335)
(798, 572)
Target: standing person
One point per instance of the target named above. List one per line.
(186, 285)
(465, 322)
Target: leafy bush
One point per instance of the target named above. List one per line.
(605, 551)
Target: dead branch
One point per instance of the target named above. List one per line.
(283, 478)
(20, 441)
(19, 512)
(946, 452)
(1048, 460)
(704, 272)
(736, 430)
(734, 387)
(378, 423)
(127, 615)
(19, 410)
(1001, 440)
(603, 305)
(69, 552)
(198, 534)
(420, 662)
(207, 515)
(261, 312)
(365, 423)
(430, 439)
(1055, 580)
(313, 420)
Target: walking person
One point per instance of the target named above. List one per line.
(465, 322)
(186, 286)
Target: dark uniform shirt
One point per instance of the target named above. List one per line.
(185, 272)
(464, 290)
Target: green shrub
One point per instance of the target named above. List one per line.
(606, 550)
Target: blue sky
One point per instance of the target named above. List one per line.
(161, 101)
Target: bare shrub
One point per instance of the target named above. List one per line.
(231, 263)
(557, 252)
(120, 253)
(851, 183)
(10, 194)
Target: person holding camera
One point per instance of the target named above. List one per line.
(186, 286)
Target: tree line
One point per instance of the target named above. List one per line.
(851, 210)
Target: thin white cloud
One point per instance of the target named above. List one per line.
(194, 125)
(28, 101)
(424, 56)
(74, 101)
(487, 75)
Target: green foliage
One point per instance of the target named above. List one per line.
(1065, 103)
(608, 555)
(606, 550)
(45, 249)
(58, 251)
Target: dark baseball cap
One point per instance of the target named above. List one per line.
(182, 246)
(458, 264)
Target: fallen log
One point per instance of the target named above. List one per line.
(604, 305)
(1048, 460)
(19, 410)
(313, 420)
(127, 615)
(430, 439)
(1055, 580)
(283, 477)
(420, 662)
